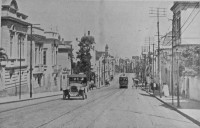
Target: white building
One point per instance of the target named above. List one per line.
(14, 31)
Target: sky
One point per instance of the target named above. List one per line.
(124, 25)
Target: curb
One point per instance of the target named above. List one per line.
(175, 109)
(15, 101)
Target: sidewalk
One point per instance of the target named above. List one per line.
(188, 108)
(25, 97)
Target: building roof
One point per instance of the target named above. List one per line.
(9, 3)
(190, 4)
(99, 54)
(12, 4)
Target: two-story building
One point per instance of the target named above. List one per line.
(38, 38)
(64, 60)
(16, 38)
(14, 31)
(50, 52)
(186, 36)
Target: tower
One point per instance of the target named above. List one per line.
(106, 50)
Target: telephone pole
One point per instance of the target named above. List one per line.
(158, 12)
(150, 41)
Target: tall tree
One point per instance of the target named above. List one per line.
(84, 56)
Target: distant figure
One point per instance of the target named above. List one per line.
(154, 86)
(165, 90)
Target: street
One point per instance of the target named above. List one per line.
(107, 107)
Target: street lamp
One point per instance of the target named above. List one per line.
(31, 59)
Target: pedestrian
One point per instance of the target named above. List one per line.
(154, 87)
(165, 90)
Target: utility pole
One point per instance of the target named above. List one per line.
(104, 61)
(149, 52)
(172, 68)
(20, 66)
(31, 62)
(158, 12)
(71, 59)
(153, 68)
(31, 68)
(150, 42)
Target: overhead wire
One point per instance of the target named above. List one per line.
(185, 21)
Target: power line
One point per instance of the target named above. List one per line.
(191, 21)
(184, 22)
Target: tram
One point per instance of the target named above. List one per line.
(123, 81)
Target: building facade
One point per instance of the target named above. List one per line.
(14, 33)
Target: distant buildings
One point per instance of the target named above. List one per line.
(105, 66)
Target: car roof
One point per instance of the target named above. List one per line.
(77, 75)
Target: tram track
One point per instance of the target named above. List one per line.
(99, 99)
(42, 102)
(104, 109)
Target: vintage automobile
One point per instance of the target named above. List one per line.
(77, 86)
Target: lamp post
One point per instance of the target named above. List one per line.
(31, 59)
(20, 65)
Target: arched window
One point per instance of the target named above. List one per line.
(11, 44)
(22, 47)
(18, 46)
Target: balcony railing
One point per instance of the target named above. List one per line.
(13, 63)
(38, 69)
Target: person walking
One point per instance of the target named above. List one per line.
(165, 90)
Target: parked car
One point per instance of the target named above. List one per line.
(77, 86)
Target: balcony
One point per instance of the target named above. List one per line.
(38, 69)
(14, 63)
(56, 69)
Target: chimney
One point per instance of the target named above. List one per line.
(88, 33)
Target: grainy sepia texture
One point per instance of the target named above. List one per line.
(99, 64)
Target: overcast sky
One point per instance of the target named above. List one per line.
(122, 24)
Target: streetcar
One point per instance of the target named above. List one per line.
(76, 87)
(123, 81)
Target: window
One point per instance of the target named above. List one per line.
(11, 44)
(35, 56)
(22, 45)
(18, 46)
(44, 57)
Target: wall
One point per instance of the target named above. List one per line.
(194, 88)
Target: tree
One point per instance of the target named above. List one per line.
(84, 56)
(192, 58)
(3, 56)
